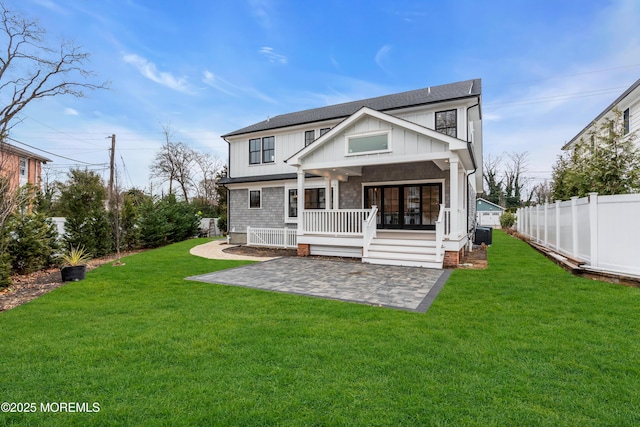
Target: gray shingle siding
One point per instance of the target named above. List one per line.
(270, 215)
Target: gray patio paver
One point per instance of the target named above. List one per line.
(408, 288)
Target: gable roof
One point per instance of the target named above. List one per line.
(365, 111)
(480, 200)
(451, 91)
(604, 113)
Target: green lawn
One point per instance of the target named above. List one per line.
(521, 343)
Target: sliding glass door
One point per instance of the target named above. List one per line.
(411, 206)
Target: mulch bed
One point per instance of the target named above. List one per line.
(25, 288)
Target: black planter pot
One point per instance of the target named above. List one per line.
(73, 273)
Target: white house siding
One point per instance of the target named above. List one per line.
(403, 142)
(288, 141)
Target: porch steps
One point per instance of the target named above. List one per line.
(409, 250)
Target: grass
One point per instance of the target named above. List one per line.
(520, 343)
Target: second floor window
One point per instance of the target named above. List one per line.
(625, 118)
(255, 148)
(447, 122)
(268, 149)
(262, 150)
(324, 130)
(309, 137)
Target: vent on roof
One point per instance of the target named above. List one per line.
(471, 88)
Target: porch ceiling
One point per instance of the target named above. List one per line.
(338, 173)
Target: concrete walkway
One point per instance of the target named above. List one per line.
(214, 250)
(408, 288)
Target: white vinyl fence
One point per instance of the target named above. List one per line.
(602, 231)
(272, 237)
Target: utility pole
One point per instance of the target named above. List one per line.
(112, 164)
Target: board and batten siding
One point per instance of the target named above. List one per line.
(287, 142)
(402, 142)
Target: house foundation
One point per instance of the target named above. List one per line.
(304, 249)
(453, 258)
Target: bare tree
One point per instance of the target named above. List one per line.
(491, 174)
(209, 166)
(30, 69)
(514, 178)
(174, 162)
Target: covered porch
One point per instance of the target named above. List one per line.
(412, 218)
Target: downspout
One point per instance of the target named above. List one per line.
(473, 160)
(227, 188)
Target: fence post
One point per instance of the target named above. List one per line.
(546, 225)
(249, 242)
(593, 227)
(574, 226)
(558, 225)
(538, 223)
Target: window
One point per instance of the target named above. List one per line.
(262, 150)
(268, 149)
(447, 122)
(255, 201)
(24, 171)
(314, 198)
(324, 130)
(255, 147)
(625, 118)
(363, 144)
(309, 137)
(293, 203)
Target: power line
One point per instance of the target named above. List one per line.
(562, 97)
(48, 152)
(56, 130)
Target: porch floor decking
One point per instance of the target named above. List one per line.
(407, 288)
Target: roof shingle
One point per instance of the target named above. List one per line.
(463, 89)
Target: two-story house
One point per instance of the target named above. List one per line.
(628, 104)
(391, 179)
(20, 166)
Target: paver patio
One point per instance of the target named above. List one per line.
(408, 288)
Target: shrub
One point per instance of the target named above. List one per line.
(32, 242)
(507, 220)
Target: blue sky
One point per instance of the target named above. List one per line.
(209, 67)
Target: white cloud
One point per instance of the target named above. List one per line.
(382, 55)
(150, 71)
(71, 112)
(272, 56)
(229, 88)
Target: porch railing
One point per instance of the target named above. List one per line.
(441, 225)
(369, 227)
(272, 237)
(335, 222)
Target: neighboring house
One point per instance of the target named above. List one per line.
(20, 166)
(488, 213)
(628, 104)
(391, 179)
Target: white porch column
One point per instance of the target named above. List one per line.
(336, 198)
(300, 202)
(454, 196)
(327, 193)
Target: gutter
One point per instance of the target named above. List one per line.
(473, 159)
